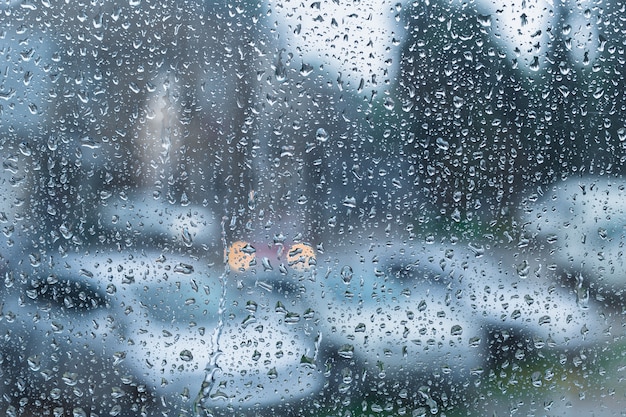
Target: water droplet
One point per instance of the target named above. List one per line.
(534, 66)
(118, 357)
(349, 202)
(280, 308)
(582, 293)
(267, 266)
(346, 351)
(456, 330)
(187, 239)
(34, 362)
(35, 259)
(523, 269)
(346, 274)
(25, 149)
(111, 289)
(183, 268)
(321, 135)
(598, 93)
(389, 103)
(484, 21)
(250, 319)
(307, 361)
(456, 215)
(79, 412)
(70, 378)
(301, 257)
(116, 410)
(536, 379)
(306, 69)
(292, 318)
(89, 142)
(524, 19)
(241, 256)
(443, 144)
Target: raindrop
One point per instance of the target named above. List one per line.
(389, 103)
(306, 69)
(349, 202)
(524, 19)
(183, 268)
(321, 135)
(474, 341)
(292, 318)
(70, 378)
(116, 410)
(186, 355)
(346, 351)
(523, 269)
(582, 293)
(251, 306)
(280, 308)
(25, 149)
(267, 266)
(78, 412)
(187, 239)
(536, 379)
(485, 21)
(89, 142)
(35, 259)
(443, 144)
(346, 274)
(456, 215)
(34, 362)
(534, 66)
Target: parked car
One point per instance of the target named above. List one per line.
(579, 225)
(406, 308)
(178, 325)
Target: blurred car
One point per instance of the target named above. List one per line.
(178, 325)
(580, 224)
(407, 309)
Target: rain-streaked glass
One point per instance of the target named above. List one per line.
(329, 208)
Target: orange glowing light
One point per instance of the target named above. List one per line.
(241, 256)
(301, 257)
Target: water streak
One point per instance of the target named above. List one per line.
(212, 368)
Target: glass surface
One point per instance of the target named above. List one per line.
(329, 208)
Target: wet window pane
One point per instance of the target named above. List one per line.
(329, 208)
